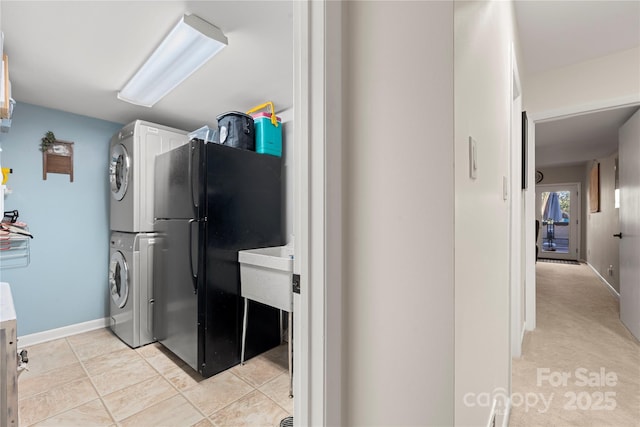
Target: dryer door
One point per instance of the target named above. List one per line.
(119, 170)
(118, 279)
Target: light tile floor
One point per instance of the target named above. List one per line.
(94, 379)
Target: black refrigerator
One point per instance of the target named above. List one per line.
(210, 202)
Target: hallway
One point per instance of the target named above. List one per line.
(580, 367)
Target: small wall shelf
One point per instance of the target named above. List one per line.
(14, 251)
(58, 159)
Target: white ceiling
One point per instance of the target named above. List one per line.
(75, 55)
(555, 34)
(559, 33)
(580, 138)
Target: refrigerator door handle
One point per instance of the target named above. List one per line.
(194, 276)
(194, 200)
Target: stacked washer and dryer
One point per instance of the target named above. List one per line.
(131, 176)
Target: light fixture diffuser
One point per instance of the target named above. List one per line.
(191, 43)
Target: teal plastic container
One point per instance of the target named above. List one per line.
(268, 136)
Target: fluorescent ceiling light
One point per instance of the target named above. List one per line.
(190, 44)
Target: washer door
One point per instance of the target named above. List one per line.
(119, 169)
(118, 279)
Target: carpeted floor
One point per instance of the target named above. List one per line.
(581, 366)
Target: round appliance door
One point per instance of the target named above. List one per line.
(119, 170)
(118, 279)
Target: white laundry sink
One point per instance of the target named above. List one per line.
(265, 276)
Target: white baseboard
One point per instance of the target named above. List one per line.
(65, 331)
(609, 287)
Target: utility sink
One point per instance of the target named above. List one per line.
(265, 276)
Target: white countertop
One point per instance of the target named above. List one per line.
(7, 311)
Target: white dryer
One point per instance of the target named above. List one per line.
(131, 172)
(131, 287)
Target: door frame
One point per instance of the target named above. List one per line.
(535, 118)
(517, 194)
(317, 121)
(575, 236)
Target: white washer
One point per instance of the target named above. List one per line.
(131, 287)
(131, 172)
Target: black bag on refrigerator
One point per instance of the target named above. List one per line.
(235, 129)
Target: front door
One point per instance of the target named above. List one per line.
(558, 210)
(629, 158)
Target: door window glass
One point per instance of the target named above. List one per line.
(555, 212)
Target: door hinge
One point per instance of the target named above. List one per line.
(296, 283)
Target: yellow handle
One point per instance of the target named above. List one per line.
(274, 120)
(5, 175)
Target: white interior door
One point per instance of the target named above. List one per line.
(629, 174)
(558, 210)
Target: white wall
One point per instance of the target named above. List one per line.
(85, 203)
(606, 78)
(288, 156)
(484, 34)
(399, 213)
(602, 249)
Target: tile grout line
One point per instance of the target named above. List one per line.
(118, 423)
(106, 407)
(130, 385)
(276, 403)
(246, 394)
(266, 382)
(65, 383)
(174, 386)
(49, 389)
(135, 350)
(273, 400)
(180, 392)
(208, 417)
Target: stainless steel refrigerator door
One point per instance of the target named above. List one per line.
(176, 299)
(178, 183)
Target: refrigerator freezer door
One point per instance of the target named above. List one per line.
(178, 188)
(176, 299)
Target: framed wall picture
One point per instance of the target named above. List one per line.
(594, 188)
(58, 158)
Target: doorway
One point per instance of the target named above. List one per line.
(558, 213)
